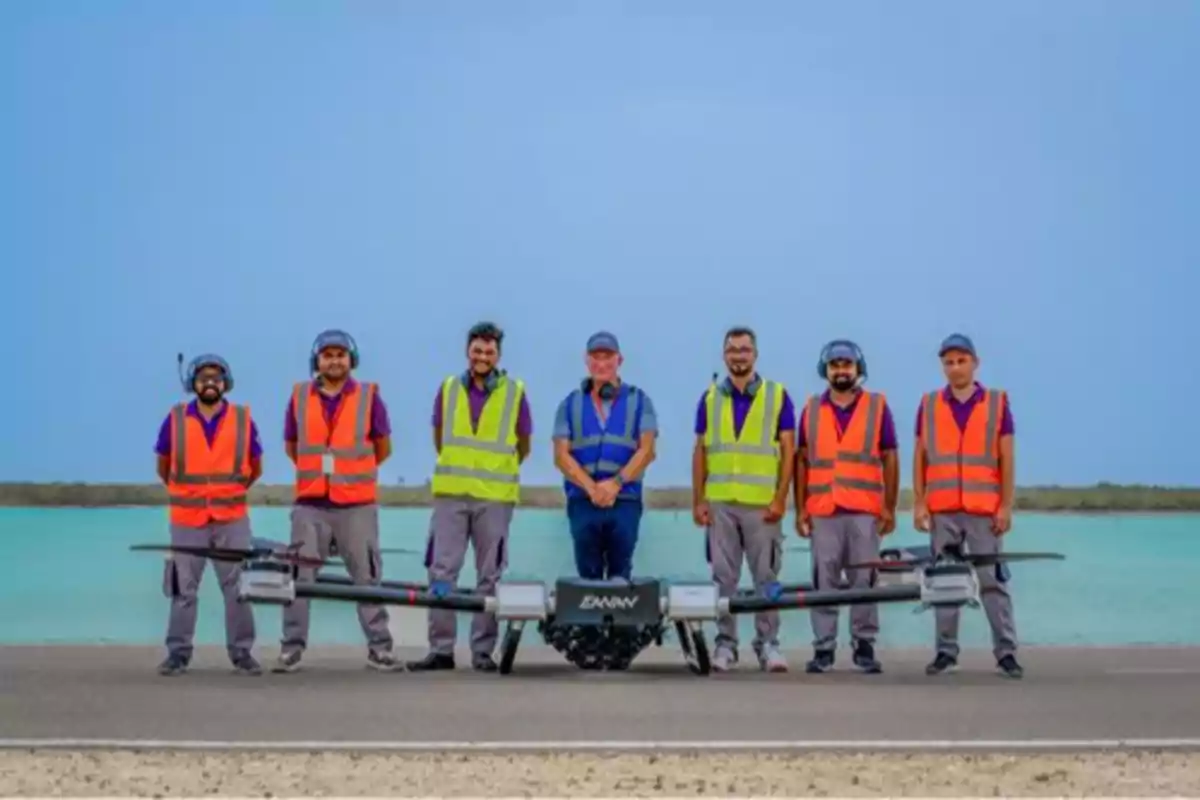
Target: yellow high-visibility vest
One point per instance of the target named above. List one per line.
(482, 463)
(743, 469)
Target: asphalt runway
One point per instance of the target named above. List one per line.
(1075, 695)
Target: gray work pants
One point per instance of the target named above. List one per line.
(974, 533)
(455, 523)
(736, 532)
(181, 583)
(839, 540)
(355, 529)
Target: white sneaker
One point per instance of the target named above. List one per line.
(772, 660)
(724, 659)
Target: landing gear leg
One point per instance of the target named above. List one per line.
(508, 649)
(694, 646)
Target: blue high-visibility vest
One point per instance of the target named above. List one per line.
(602, 449)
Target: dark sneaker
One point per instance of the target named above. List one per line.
(384, 662)
(433, 661)
(483, 662)
(943, 662)
(822, 661)
(1010, 668)
(244, 664)
(287, 662)
(173, 665)
(864, 658)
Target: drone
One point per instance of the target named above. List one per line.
(606, 624)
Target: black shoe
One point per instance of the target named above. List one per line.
(864, 658)
(483, 662)
(384, 662)
(1009, 666)
(944, 662)
(173, 665)
(822, 661)
(433, 661)
(244, 664)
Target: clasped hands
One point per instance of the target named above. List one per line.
(604, 493)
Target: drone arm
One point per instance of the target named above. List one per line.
(825, 599)
(395, 597)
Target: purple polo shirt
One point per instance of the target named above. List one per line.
(741, 407)
(962, 410)
(163, 448)
(476, 399)
(380, 426)
(887, 430)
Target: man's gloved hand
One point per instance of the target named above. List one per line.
(773, 590)
(440, 589)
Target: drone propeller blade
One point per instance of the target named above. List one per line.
(978, 560)
(230, 554)
(992, 559)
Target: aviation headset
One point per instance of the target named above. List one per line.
(188, 379)
(333, 338)
(860, 359)
(607, 391)
(725, 387)
(486, 330)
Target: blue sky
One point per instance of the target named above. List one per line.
(191, 176)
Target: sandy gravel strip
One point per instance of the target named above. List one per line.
(97, 773)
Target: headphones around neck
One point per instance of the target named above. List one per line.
(726, 386)
(333, 338)
(860, 359)
(490, 382)
(188, 379)
(607, 392)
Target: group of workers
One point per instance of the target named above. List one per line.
(838, 458)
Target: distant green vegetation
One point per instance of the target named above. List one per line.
(1098, 498)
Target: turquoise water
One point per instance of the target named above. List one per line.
(1128, 579)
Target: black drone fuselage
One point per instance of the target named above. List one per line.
(604, 625)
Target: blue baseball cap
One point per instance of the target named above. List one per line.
(603, 340)
(957, 341)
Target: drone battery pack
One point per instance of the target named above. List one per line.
(521, 600)
(267, 582)
(692, 601)
(949, 585)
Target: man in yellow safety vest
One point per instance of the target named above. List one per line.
(481, 430)
(742, 467)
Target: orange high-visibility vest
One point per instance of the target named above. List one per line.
(206, 483)
(844, 471)
(962, 468)
(346, 448)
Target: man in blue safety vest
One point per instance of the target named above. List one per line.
(604, 438)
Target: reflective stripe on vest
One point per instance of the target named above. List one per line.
(855, 462)
(222, 494)
(491, 471)
(745, 480)
(953, 479)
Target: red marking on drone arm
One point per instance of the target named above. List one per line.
(412, 596)
(799, 599)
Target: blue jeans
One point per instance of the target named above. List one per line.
(605, 538)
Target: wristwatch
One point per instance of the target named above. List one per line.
(620, 481)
